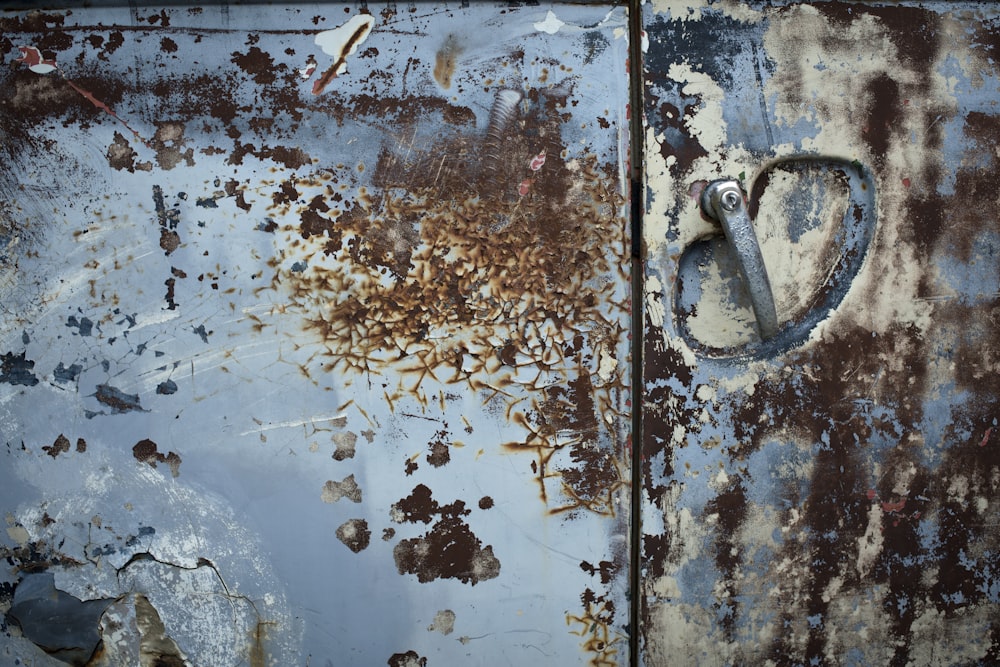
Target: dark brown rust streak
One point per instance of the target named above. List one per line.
(331, 73)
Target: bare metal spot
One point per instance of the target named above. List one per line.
(156, 648)
(120, 154)
(444, 622)
(168, 142)
(345, 442)
(348, 488)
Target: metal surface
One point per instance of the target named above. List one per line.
(722, 200)
(831, 497)
(314, 324)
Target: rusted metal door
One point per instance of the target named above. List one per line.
(315, 335)
(821, 488)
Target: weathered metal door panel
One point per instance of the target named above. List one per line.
(314, 335)
(829, 495)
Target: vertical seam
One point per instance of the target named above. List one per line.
(636, 210)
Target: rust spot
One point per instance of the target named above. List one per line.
(408, 659)
(449, 550)
(168, 220)
(440, 452)
(122, 156)
(58, 447)
(145, 451)
(605, 568)
(444, 274)
(355, 535)
(117, 400)
(259, 65)
(169, 241)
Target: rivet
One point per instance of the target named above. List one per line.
(730, 200)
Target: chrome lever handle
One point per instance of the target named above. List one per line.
(723, 201)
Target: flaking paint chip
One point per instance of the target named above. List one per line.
(444, 622)
(348, 488)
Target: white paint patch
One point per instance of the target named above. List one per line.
(607, 365)
(550, 25)
(654, 301)
(684, 637)
(335, 41)
(870, 544)
(679, 10)
(705, 392)
(19, 534)
(707, 124)
(659, 180)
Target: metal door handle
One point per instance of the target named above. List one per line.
(724, 201)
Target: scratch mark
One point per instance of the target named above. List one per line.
(32, 57)
(337, 420)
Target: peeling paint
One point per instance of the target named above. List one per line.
(444, 622)
(808, 505)
(357, 294)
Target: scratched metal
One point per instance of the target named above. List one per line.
(832, 499)
(314, 334)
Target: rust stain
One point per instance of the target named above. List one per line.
(492, 276)
(445, 274)
(355, 535)
(32, 57)
(440, 453)
(145, 451)
(594, 626)
(58, 447)
(446, 60)
(449, 550)
(408, 659)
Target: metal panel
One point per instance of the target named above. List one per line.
(828, 495)
(314, 335)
